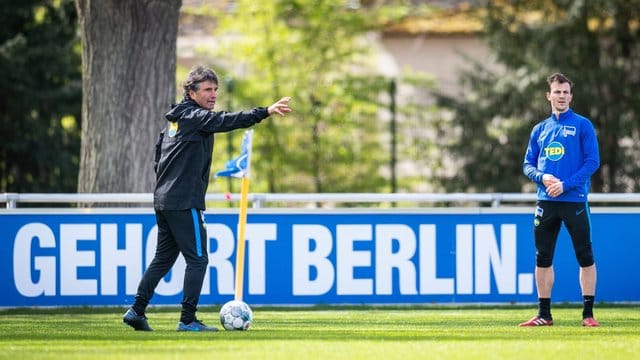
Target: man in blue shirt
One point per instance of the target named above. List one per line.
(561, 157)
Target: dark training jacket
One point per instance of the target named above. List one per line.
(184, 150)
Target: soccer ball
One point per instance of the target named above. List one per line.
(236, 315)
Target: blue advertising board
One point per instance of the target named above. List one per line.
(303, 258)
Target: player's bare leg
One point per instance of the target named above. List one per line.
(544, 281)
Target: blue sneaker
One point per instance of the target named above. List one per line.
(138, 322)
(195, 325)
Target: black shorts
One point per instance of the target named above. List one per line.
(549, 217)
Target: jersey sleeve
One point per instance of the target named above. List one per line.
(530, 164)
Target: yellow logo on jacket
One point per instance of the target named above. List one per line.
(555, 151)
(173, 128)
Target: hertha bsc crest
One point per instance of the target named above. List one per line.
(173, 128)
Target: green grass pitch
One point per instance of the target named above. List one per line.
(356, 332)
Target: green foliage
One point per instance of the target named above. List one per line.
(594, 43)
(317, 53)
(40, 96)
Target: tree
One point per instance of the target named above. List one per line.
(39, 96)
(128, 82)
(596, 44)
(335, 140)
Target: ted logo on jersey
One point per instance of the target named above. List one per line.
(555, 151)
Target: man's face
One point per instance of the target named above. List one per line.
(206, 94)
(559, 96)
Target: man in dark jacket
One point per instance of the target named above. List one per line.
(182, 165)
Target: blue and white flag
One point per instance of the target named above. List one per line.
(239, 167)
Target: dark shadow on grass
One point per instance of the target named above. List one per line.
(321, 307)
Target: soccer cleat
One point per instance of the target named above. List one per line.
(138, 322)
(195, 325)
(537, 321)
(590, 322)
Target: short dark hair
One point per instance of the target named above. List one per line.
(197, 75)
(559, 78)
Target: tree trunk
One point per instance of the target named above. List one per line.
(128, 83)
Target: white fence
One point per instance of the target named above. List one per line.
(264, 200)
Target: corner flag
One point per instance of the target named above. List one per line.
(239, 168)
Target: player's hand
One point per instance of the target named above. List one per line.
(548, 180)
(280, 107)
(555, 189)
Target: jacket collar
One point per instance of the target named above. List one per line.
(563, 116)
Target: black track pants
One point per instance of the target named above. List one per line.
(179, 231)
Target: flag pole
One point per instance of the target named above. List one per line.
(242, 222)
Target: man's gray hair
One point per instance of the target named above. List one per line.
(197, 75)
